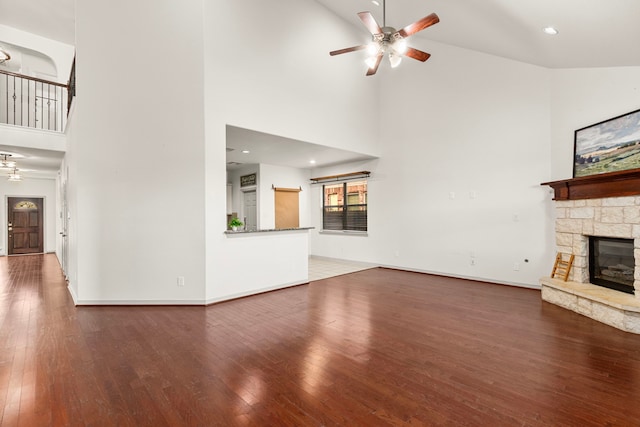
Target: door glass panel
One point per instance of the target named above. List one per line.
(25, 205)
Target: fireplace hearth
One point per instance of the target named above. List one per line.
(612, 263)
(581, 215)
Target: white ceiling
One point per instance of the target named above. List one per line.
(592, 33)
(31, 162)
(53, 19)
(276, 150)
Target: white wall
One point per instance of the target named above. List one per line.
(135, 157)
(284, 177)
(582, 97)
(262, 262)
(493, 134)
(33, 138)
(45, 188)
(464, 147)
(278, 80)
(466, 123)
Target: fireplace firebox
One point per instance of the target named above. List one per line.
(612, 263)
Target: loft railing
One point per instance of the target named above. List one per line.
(32, 102)
(71, 87)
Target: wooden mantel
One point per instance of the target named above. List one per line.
(613, 184)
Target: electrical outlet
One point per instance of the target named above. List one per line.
(180, 281)
(516, 266)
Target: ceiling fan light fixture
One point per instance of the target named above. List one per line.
(371, 61)
(400, 46)
(387, 41)
(373, 48)
(394, 59)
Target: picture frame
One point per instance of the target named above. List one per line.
(248, 180)
(612, 145)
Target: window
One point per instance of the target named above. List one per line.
(344, 206)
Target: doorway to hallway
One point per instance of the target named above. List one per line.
(250, 210)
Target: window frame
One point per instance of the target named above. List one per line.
(345, 207)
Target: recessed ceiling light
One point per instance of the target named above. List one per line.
(245, 151)
(377, 3)
(313, 162)
(550, 30)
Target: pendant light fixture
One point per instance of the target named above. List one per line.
(15, 176)
(5, 163)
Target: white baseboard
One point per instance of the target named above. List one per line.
(459, 276)
(254, 292)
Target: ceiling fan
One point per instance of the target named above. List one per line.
(389, 41)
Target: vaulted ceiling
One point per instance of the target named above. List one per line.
(592, 33)
(53, 19)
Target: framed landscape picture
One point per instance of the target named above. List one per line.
(609, 146)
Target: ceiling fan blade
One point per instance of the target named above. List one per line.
(371, 71)
(370, 22)
(417, 54)
(420, 25)
(347, 50)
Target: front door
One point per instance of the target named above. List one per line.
(24, 226)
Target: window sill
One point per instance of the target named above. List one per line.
(345, 232)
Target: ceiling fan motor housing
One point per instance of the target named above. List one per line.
(386, 38)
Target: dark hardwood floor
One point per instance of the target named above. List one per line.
(373, 348)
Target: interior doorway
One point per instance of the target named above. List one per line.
(250, 209)
(64, 234)
(25, 234)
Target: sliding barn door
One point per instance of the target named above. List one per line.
(287, 208)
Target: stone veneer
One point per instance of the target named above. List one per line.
(576, 220)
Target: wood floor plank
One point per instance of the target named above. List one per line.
(374, 348)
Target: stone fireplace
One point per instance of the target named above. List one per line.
(576, 220)
(581, 213)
